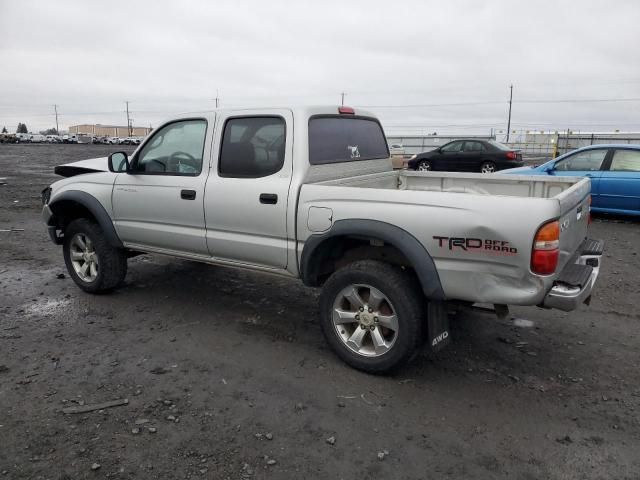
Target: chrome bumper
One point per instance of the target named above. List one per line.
(568, 297)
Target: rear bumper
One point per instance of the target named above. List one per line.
(575, 283)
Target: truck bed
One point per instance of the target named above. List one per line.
(471, 183)
(508, 209)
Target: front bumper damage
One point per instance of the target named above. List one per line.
(54, 231)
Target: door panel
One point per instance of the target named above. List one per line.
(472, 156)
(620, 184)
(159, 204)
(246, 197)
(588, 163)
(450, 158)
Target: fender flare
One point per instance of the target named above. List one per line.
(409, 245)
(96, 209)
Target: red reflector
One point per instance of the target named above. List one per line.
(346, 110)
(544, 262)
(511, 155)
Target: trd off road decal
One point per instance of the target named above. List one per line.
(476, 245)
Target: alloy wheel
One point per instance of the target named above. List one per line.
(365, 320)
(84, 257)
(488, 168)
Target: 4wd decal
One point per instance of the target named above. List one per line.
(480, 245)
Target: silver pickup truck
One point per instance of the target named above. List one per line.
(310, 193)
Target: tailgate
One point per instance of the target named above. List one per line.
(574, 219)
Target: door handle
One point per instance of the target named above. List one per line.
(188, 194)
(269, 198)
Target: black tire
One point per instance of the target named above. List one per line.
(488, 166)
(403, 291)
(112, 261)
(425, 164)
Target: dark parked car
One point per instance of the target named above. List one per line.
(486, 156)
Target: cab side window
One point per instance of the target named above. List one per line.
(590, 161)
(252, 147)
(175, 149)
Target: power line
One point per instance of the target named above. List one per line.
(500, 102)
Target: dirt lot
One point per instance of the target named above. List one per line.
(227, 374)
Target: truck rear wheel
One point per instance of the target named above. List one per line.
(372, 315)
(91, 261)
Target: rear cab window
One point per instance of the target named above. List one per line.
(340, 138)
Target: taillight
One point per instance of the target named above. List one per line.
(546, 249)
(346, 110)
(511, 155)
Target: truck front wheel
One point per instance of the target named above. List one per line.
(372, 315)
(91, 261)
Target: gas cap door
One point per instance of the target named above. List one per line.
(320, 219)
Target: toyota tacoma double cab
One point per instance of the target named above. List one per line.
(310, 193)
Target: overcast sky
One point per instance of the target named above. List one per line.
(421, 66)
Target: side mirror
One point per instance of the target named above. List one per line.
(118, 162)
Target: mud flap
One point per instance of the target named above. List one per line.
(437, 325)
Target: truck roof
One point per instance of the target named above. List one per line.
(304, 111)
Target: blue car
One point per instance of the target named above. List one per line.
(614, 171)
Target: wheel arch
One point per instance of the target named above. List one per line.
(73, 204)
(321, 252)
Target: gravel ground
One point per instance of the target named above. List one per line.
(227, 375)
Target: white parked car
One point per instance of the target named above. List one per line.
(38, 138)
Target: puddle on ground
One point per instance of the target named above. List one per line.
(46, 307)
(522, 323)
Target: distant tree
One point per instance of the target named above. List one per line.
(22, 128)
(49, 131)
(4, 129)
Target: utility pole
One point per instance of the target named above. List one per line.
(55, 109)
(509, 121)
(342, 98)
(128, 122)
(217, 99)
